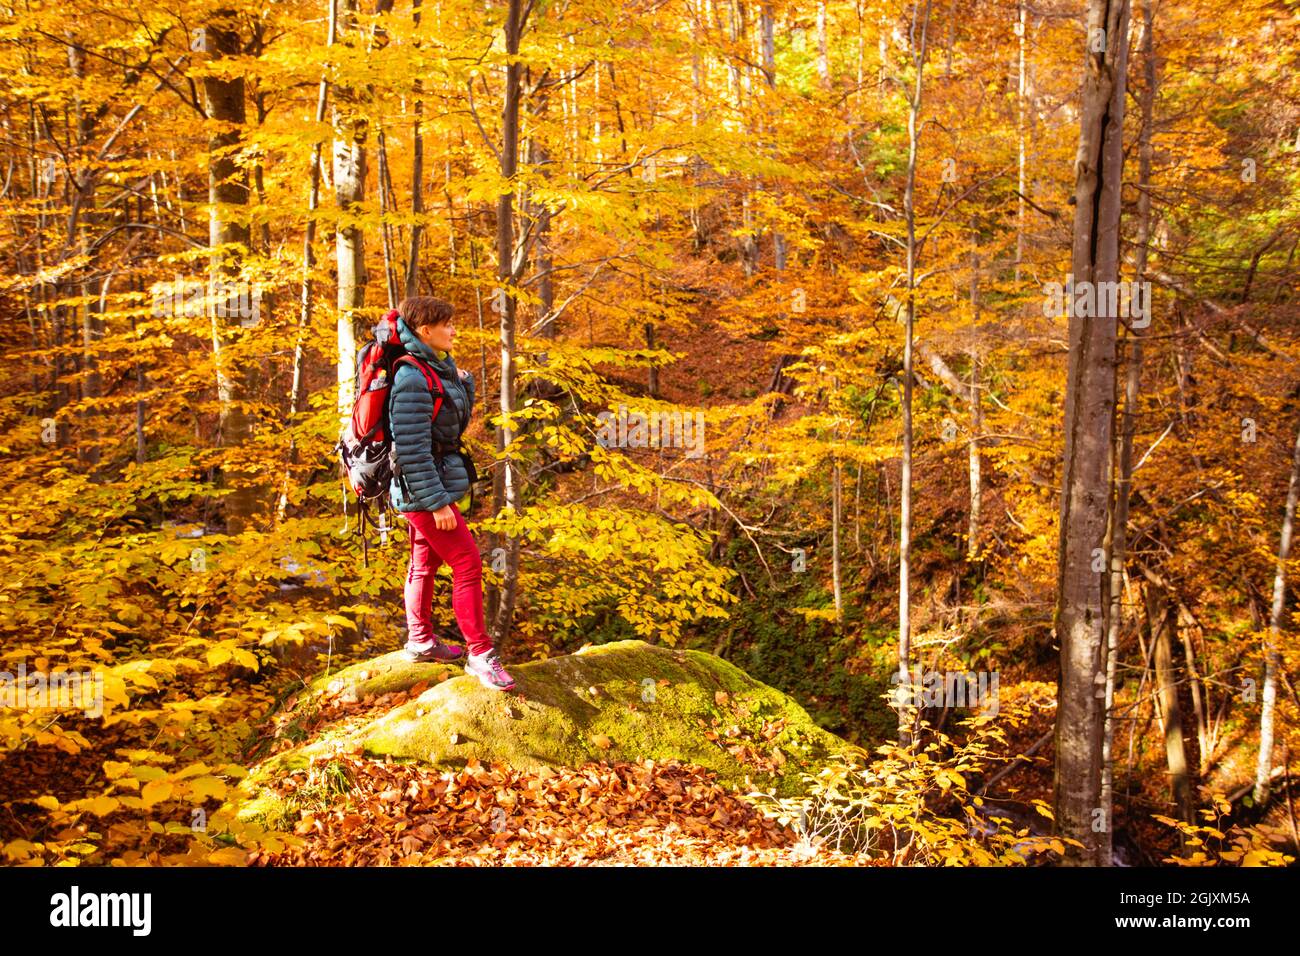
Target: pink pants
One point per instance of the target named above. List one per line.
(430, 549)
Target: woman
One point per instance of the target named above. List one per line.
(431, 489)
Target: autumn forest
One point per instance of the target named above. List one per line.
(885, 418)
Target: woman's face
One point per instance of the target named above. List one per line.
(438, 336)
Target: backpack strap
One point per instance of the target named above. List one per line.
(431, 379)
(434, 382)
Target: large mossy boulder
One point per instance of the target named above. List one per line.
(626, 700)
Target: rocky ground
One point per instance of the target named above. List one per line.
(620, 754)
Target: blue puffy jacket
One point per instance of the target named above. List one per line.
(410, 411)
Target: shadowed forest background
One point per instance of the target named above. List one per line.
(830, 230)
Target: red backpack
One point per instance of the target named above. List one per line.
(365, 448)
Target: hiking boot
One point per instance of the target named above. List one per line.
(439, 653)
(487, 668)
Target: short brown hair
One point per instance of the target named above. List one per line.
(420, 310)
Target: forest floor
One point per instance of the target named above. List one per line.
(359, 811)
(638, 814)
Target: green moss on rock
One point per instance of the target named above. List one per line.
(388, 674)
(627, 700)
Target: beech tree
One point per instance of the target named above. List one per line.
(1082, 604)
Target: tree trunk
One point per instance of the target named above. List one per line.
(837, 515)
(976, 408)
(1021, 28)
(387, 204)
(909, 714)
(349, 193)
(1199, 696)
(412, 283)
(652, 373)
(223, 101)
(1082, 603)
(546, 327)
(141, 383)
(837, 523)
(92, 320)
(1272, 656)
(698, 70)
(505, 487)
(769, 75)
(823, 63)
(739, 86)
(308, 263)
(1162, 623)
(1119, 518)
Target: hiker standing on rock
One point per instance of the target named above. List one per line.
(431, 488)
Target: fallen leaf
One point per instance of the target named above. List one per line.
(229, 856)
(155, 791)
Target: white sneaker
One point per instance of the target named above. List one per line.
(487, 668)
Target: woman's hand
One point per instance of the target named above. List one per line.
(444, 519)
(463, 374)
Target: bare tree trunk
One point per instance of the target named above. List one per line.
(1082, 603)
(909, 715)
(652, 373)
(412, 283)
(349, 193)
(699, 69)
(837, 522)
(769, 75)
(595, 115)
(92, 321)
(308, 263)
(180, 196)
(141, 446)
(506, 489)
(1272, 656)
(1021, 28)
(540, 215)
(1199, 696)
(546, 327)
(1162, 623)
(387, 203)
(823, 62)
(739, 85)
(857, 517)
(42, 188)
(1124, 482)
(223, 101)
(267, 304)
(976, 408)
(837, 515)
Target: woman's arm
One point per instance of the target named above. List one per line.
(410, 416)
